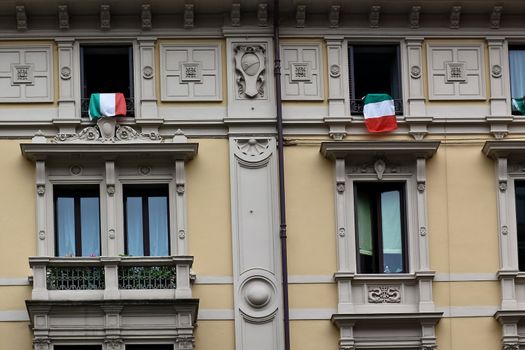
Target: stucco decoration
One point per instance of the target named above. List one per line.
(145, 17)
(511, 346)
(105, 17)
(384, 294)
(188, 16)
(40, 189)
(22, 74)
(253, 149)
(496, 71)
(495, 17)
(380, 167)
(113, 344)
(63, 17)
(373, 17)
(21, 18)
(333, 16)
(300, 16)
(455, 16)
(262, 15)
(235, 15)
(107, 130)
(41, 343)
(259, 302)
(414, 17)
(415, 72)
(250, 66)
(185, 343)
(65, 73)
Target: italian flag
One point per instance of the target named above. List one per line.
(379, 112)
(107, 105)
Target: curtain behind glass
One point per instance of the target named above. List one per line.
(66, 226)
(391, 231)
(517, 73)
(135, 238)
(158, 226)
(364, 223)
(90, 226)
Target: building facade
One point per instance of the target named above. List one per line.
(241, 202)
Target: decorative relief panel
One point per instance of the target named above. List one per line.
(26, 74)
(384, 294)
(190, 73)
(456, 72)
(302, 78)
(250, 70)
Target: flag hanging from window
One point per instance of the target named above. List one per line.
(107, 105)
(379, 112)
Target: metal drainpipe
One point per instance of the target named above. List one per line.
(280, 154)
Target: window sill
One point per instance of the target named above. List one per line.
(385, 276)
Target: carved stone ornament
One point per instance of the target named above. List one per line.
(190, 72)
(105, 17)
(346, 347)
(333, 16)
(262, 15)
(300, 16)
(511, 346)
(250, 65)
(22, 74)
(40, 189)
(65, 73)
(75, 170)
(63, 17)
(340, 187)
(253, 148)
(455, 16)
(414, 17)
(496, 71)
(189, 16)
(373, 17)
(144, 170)
(415, 72)
(180, 188)
(42, 235)
(498, 135)
(111, 233)
(423, 231)
(147, 72)
(428, 347)
(41, 343)
(300, 71)
(495, 17)
(110, 189)
(235, 15)
(182, 234)
(384, 295)
(504, 230)
(421, 187)
(145, 16)
(185, 343)
(502, 186)
(379, 168)
(21, 18)
(107, 130)
(335, 71)
(113, 344)
(341, 232)
(455, 72)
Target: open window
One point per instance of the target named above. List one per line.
(107, 69)
(374, 69)
(77, 220)
(517, 78)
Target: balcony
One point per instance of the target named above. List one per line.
(84, 107)
(356, 106)
(110, 278)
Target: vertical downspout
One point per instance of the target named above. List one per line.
(280, 154)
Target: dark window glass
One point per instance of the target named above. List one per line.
(146, 220)
(150, 347)
(374, 69)
(380, 226)
(77, 220)
(107, 69)
(517, 80)
(77, 347)
(520, 222)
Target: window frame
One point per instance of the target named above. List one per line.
(138, 187)
(511, 47)
(356, 105)
(377, 228)
(77, 191)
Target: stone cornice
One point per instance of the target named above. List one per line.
(412, 149)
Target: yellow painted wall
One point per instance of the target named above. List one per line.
(480, 333)
(17, 211)
(310, 211)
(209, 216)
(15, 335)
(313, 335)
(14, 297)
(214, 335)
(214, 296)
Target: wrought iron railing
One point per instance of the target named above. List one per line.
(147, 277)
(75, 278)
(84, 107)
(356, 106)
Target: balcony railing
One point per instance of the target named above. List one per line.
(84, 107)
(356, 106)
(57, 278)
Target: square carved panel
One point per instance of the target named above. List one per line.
(302, 72)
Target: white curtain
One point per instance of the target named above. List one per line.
(90, 226)
(517, 73)
(158, 226)
(66, 226)
(135, 238)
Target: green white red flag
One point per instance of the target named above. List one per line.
(107, 105)
(379, 113)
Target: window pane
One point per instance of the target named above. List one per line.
(520, 222)
(134, 233)
(391, 231)
(65, 221)
(90, 226)
(517, 72)
(364, 229)
(158, 226)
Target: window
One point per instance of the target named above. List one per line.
(107, 69)
(517, 82)
(146, 220)
(374, 69)
(519, 187)
(77, 220)
(380, 226)
(77, 347)
(150, 347)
